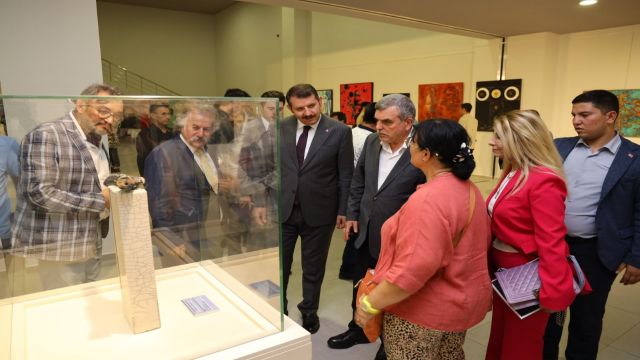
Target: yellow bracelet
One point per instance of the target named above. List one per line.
(366, 306)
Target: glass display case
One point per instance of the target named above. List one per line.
(207, 215)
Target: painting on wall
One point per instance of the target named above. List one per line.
(629, 117)
(327, 101)
(405, 94)
(352, 96)
(494, 98)
(440, 101)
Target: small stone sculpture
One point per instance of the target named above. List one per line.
(125, 182)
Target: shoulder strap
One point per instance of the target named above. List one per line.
(472, 206)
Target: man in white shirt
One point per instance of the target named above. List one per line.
(382, 182)
(469, 123)
(360, 134)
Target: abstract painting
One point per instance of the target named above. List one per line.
(494, 98)
(440, 101)
(352, 96)
(327, 101)
(629, 117)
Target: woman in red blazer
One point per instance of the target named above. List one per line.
(527, 222)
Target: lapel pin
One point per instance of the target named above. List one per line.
(630, 155)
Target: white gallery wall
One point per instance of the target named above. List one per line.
(556, 68)
(48, 48)
(173, 48)
(248, 48)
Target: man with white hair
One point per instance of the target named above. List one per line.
(183, 180)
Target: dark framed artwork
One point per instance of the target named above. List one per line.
(327, 101)
(629, 118)
(405, 94)
(352, 96)
(495, 98)
(440, 101)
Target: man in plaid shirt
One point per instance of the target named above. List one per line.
(60, 196)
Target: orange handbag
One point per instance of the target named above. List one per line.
(373, 328)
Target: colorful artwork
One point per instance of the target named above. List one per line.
(629, 117)
(327, 101)
(352, 96)
(495, 98)
(440, 101)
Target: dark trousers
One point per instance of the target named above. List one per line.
(587, 311)
(364, 261)
(349, 255)
(315, 241)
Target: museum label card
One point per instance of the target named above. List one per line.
(199, 305)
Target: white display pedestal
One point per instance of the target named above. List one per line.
(87, 322)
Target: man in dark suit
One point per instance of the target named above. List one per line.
(382, 181)
(182, 181)
(602, 217)
(316, 167)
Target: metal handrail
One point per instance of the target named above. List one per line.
(132, 82)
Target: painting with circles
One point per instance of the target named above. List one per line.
(494, 98)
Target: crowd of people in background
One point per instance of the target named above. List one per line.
(398, 189)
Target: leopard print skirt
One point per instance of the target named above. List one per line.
(407, 341)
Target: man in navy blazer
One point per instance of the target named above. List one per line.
(179, 189)
(602, 217)
(316, 155)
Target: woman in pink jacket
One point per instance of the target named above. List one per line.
(527, 222)
(432, 275)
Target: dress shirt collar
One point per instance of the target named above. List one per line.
(612, 146)
(387, 148)
(302, 125)
(265, 122)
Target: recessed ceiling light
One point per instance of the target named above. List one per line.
(588, 2)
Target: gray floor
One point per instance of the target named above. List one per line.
(620, 338)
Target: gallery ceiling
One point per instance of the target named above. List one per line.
(488, 17)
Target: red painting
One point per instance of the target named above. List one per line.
(441, 101)
(352, 96)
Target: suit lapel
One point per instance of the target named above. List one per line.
(507, 189)
(80, 144)
(376, 148)
(289, 127)
(397, 168)
(322, 134)
(623, 159)
(566, 147)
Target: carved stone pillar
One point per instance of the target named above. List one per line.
(135, 258)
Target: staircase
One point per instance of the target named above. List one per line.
(130, 82)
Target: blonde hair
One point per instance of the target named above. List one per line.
(527, 143)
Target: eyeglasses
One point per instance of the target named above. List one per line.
(104, 112)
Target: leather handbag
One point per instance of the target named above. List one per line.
(521, 284)
(373, 328)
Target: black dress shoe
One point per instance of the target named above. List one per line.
(381, 354)
(347, 339)
(311, 323)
